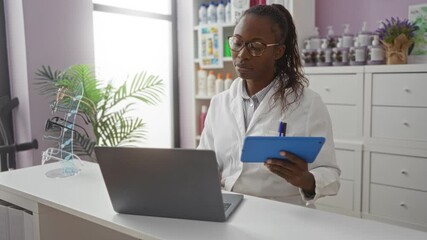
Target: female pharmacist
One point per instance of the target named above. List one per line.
(270, 90)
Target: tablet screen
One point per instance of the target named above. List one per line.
(259, 149)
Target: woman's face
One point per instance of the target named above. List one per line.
(253, 28)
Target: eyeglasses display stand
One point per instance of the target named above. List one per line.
(68, 104)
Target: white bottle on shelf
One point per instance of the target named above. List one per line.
(203, 14)
(228, 12)
(228, 81)
(202, 82)
(376, 53)
(211, 84)
(357, 53)
(220, 12)
(219, 84)
(332, 39)
(324, 54)
(347, 37)
(365, 37)
(315, 39)
(212, 13)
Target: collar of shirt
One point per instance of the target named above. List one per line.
(250, 104)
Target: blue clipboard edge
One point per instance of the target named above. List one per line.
(257, 149)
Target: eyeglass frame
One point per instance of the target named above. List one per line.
(62, 123)
(245, 45)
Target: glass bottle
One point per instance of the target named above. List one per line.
(376, 54)
(357, 54)
(308, 55)
(339, 54)
(324, 54)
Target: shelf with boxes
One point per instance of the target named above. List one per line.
(379, 118)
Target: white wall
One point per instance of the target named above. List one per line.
(58, 33)
(186, 71)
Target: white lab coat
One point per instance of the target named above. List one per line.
(224, 133)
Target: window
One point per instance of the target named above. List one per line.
(133, 36)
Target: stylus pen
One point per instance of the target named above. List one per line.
(282, 129)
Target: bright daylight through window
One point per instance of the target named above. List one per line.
(133, 36)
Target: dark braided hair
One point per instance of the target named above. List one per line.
(288, 67)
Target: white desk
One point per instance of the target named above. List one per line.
(79, 208)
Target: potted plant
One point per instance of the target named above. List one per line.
(397, 37)
(107, 108)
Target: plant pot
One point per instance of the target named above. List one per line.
(397, 52)
(397, 57)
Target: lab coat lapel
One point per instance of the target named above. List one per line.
(237, 112)
(264, 108)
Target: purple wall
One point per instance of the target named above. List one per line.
(355, 12)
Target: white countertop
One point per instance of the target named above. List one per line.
(85, 196)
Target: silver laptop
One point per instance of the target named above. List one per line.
(176, 183)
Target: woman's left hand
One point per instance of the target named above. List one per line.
(294, 170)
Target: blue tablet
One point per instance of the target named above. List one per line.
(259, 149)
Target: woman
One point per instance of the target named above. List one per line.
(270, 89)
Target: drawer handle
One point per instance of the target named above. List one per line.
(406, 124)
(407, 90)
(402, 204)
(327, 89)
(404, 172)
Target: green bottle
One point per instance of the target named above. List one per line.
(227, 50)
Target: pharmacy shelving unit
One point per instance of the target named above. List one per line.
(303, 14)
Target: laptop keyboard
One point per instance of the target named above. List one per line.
(226, 206)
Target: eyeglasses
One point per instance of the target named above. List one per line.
(62, 123)
(256, 49)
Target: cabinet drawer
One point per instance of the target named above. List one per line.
(344, 198)
(400, 89)
(399, 170)
(334, 89)
(399, 204)
(345, 121)
(345, 160)
(399, 123)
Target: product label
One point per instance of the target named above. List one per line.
(365, 40)
(360, 55)
(377, 54)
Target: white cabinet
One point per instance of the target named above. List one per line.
(404, 205)
(342, 91)
(395, 143)
(384, 109)
(341, 88)
(395, 185)
(348, 199)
